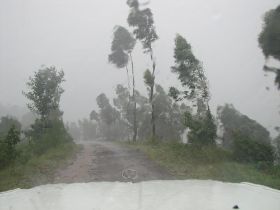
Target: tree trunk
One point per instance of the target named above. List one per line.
(134, 100)
(128, 80)
(129, 89)
(152, 98)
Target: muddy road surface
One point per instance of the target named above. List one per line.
(108, 161)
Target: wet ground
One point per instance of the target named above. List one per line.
(109, 161)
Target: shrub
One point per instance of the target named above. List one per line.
(248, 150)
(47, 134)
(202, 128)
(8, 150)
(6, 123)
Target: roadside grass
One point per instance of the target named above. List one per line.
(189, 162)
(38, 169)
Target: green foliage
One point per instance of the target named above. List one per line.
(122, 40)
(8, 152)
(94, 116)
(277, 146)
(144, 30)
(119, 58)
(45, 135)
(6, 123)
(202, 128)
(122, 47)
(149, 79)
(109, 117)
(190, 72)
(233, 121)
(122, 44)
(175, 94)
(30, 171)
(12, 138)
(9, 137)
(123, 103)
(143, 23)
(207, 162)
(45, 91)
(108, 114)
(248, 150)
(269, 39)
(168, 116)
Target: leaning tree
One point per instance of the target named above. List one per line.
(195, 89)
(142, 22)
(121, 54)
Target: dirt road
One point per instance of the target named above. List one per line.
(108, 161)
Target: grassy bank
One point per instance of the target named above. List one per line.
(38, 169)
(187, 162)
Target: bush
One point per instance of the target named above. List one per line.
(277, 147)
(202, 128)
(8, 152)
(6, 123)
(247, 150)
(46, 135)
(3, 154)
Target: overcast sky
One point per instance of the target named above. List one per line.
(75, 35)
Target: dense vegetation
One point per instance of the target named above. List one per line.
(182, 112)
(208, 162)
(245, 147)
(157, 121)
(42, 146)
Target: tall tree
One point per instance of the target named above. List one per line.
(122, 46)
(191, 75)
(144, 30)
(121, 102)
(169, 116)
(269, 40)
(45, 91)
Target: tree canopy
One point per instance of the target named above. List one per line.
(44, 91)
(122, 44)
(143, 23)
(195, 89)
(269, 40)
(190, 73)
(233, 123)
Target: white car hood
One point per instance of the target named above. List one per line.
(151, 195)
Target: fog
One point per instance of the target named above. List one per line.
(76, 37)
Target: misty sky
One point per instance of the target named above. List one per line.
(75, 35)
